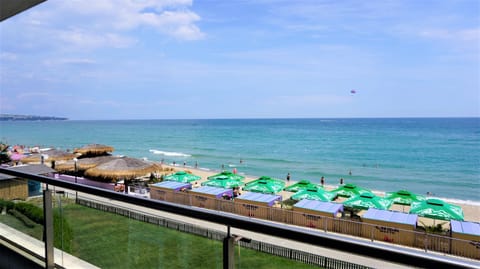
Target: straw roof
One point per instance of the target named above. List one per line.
(50, 155)
(83, 164)
(94, 149)
(123, 168)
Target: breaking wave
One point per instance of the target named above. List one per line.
(170, 154)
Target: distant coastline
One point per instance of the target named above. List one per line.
(11, 117)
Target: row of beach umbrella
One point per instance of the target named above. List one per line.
(357, 197)
(362, 199)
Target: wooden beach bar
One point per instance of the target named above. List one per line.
(316, 214)
(254, 204)
(166, 190)
(208, 197)
(390, 226)
(469, 235)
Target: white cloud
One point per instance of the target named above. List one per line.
(69, 61)
(87, 25)
(89, 40)
(448, 34)
(8, 56)
(33, 95)
(168, 16)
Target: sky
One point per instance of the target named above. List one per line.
(183, 59)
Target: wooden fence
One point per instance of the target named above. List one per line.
(411, 238)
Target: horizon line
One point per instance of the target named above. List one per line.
(285, 118)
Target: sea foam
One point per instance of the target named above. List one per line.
(170, 154)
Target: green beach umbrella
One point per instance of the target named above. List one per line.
(349, 190)
(403, 197)
(301, 185)
(313, 194)
(265, 184)
(436, 209)
(224, 182)
(182, 176)
(368, 200)
(228, 174)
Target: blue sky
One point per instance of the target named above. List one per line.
(173, 59)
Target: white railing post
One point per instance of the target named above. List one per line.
(48, 228)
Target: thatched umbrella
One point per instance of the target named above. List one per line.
(122, 168)
(51, 155)
(83, 164)
(94, 150)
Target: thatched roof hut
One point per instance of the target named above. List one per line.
(50, 155)
(123, 168)
(83, 164)
(94, 150)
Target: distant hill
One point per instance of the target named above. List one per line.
(10, 117)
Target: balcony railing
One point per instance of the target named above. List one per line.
(324, 236)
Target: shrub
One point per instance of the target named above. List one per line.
(28, 222)
(31, 211)
(31, 214)
(8, 204)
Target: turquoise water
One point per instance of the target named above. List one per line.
(441, 156)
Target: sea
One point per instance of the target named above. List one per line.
(439, 156)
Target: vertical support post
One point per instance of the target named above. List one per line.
(48, 228)
(228, 251)
(75, 160)
(371, 232)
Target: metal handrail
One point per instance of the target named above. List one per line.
(360, 247)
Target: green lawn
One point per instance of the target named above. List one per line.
(11, 221)
(112, 241)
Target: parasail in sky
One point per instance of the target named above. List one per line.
(353, 91)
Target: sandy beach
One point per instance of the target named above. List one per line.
(471, 211)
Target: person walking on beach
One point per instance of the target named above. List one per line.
(234, 170)
(288, 178)
(341, 181)
(196, 164)
(322, 181)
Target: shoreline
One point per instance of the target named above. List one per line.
(471, 209)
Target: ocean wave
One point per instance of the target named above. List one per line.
(461, 202)
(170, 154)
(272, 160)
